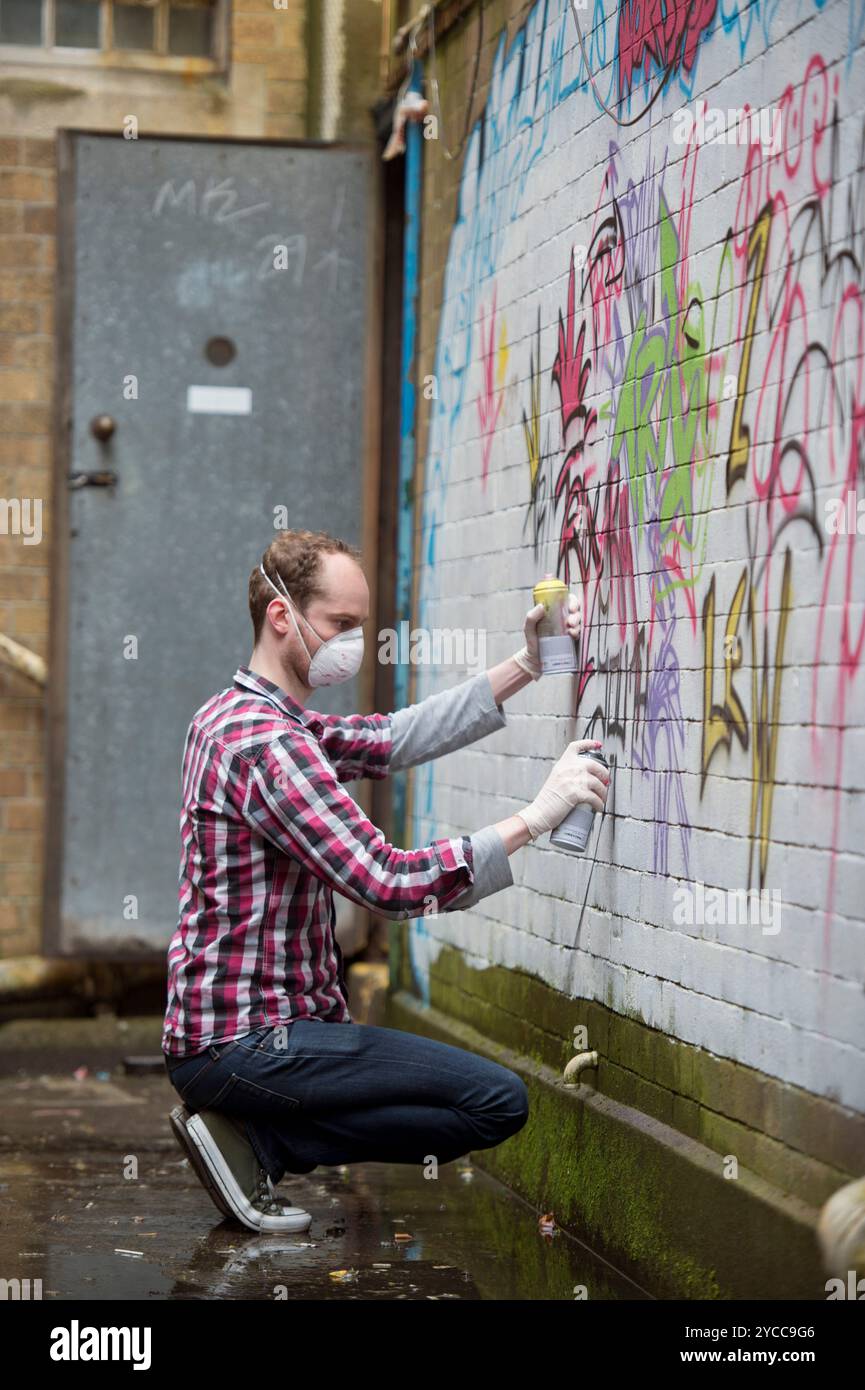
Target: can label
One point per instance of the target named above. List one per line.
(574, 831)
(558, 651)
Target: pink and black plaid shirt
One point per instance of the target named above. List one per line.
(267, 833)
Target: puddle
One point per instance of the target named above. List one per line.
(97, 1202)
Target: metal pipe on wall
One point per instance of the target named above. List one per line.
(408, 415)
(332, 67)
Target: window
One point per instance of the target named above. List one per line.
(136, 33)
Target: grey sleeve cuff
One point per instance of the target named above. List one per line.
(444, 721)
(492, 868)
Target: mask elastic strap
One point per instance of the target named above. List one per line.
(287, 595)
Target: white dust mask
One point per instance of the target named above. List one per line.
(338, 658)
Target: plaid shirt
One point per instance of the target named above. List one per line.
(267, 833)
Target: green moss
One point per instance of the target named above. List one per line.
(651, 1206)
(611, 1195)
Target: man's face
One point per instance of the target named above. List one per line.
(344, 604)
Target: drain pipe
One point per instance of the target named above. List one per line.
(407, 418)
(332, 20)
(582, 1062)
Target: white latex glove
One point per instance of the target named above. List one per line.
(529, 656)
(572, 779)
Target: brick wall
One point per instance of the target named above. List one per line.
(262, 96)
(27, 255)
(646, 361)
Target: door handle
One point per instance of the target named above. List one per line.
(93, 479)
(102, 428)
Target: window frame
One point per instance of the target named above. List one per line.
(126, 58)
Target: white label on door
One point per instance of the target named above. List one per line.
(219, 400)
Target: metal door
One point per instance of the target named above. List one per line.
(213, 354)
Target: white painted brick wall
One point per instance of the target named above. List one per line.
(790, 1002)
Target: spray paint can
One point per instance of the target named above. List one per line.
(558, 650)
(573, 832)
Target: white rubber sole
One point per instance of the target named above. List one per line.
(291, 1219)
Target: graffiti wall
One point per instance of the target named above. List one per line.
(645, 374)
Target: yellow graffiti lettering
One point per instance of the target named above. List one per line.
(721, 721)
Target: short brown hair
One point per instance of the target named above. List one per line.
(296, 557)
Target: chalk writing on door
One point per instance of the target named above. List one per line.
(218, 200)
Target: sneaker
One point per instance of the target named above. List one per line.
(228, 1167)
(178, 1118)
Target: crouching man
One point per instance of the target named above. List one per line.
(270, 1081)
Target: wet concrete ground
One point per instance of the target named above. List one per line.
(98, 1202)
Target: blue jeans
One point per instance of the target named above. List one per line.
(311, 1092)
